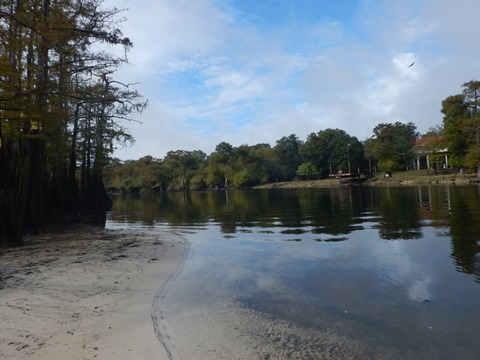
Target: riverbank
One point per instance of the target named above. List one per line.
(86, 294)
(400, 178)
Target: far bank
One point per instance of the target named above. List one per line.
(380, 179)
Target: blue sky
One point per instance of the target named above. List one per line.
(249, 72)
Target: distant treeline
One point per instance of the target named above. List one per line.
(60, 109)
(324, 153)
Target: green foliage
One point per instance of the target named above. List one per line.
(287, 151)
(251, 164)
(183, 164)
(224, 152)
(60, 109)
(387, 165)
(241, 178)
(461, 125)
(143, 175)
(436, 160)
(392, 145)
(455, 133)
(472, 159)
(198, 181)
(333, 149)
(214, 174)
(176, 184)
(307, 170)
(223, 155)
(455, 161)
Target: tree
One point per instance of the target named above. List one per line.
(223, 154)
(50, 121)
(471, 94)
(287, 150)
(461, 125)
(455, 114)
(392, 145)
(368, 154)
(182, 164)
(472, 159)
(307, 170)
(251, 164)
(332, 150)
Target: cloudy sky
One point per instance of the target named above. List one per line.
(252, 71)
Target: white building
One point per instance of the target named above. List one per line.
(428, 153)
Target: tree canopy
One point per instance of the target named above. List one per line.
(60, 110)
(392, 145)
(461, 126)
(245, 165)
(333, 150)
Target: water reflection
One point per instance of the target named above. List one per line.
(333, 259)
(465, 230)
(397, 214)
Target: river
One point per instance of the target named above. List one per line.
(334, 273)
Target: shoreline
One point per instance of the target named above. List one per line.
(87, 293)
(408, 178)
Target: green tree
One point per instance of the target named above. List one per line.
(46, 60)
(332, 150)
(183, 164)
(472, 159)
(251, 164)
(455, 115)
(146, 174)
(307, 170)
(461, 126)
(471, 93)
(223, 155)
(287, 150)
(392, 145)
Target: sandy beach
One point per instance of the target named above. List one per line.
(86, 294)
(107, 294)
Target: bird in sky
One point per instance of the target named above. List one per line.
(411, 64)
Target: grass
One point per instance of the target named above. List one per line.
(413, 177)
(422, 176)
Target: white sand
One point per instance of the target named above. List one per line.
(101, 294)
(88, 294)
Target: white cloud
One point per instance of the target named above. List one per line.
(211, 74)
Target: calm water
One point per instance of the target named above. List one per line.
(391, 272)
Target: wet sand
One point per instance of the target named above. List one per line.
(102, 294)
(86, 294)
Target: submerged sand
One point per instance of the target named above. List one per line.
(101, 294)
(89, 294)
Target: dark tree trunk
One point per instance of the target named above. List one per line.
(30, 204)
(10, 234)
(72, 183)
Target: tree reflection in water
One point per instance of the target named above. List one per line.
(329, 215)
